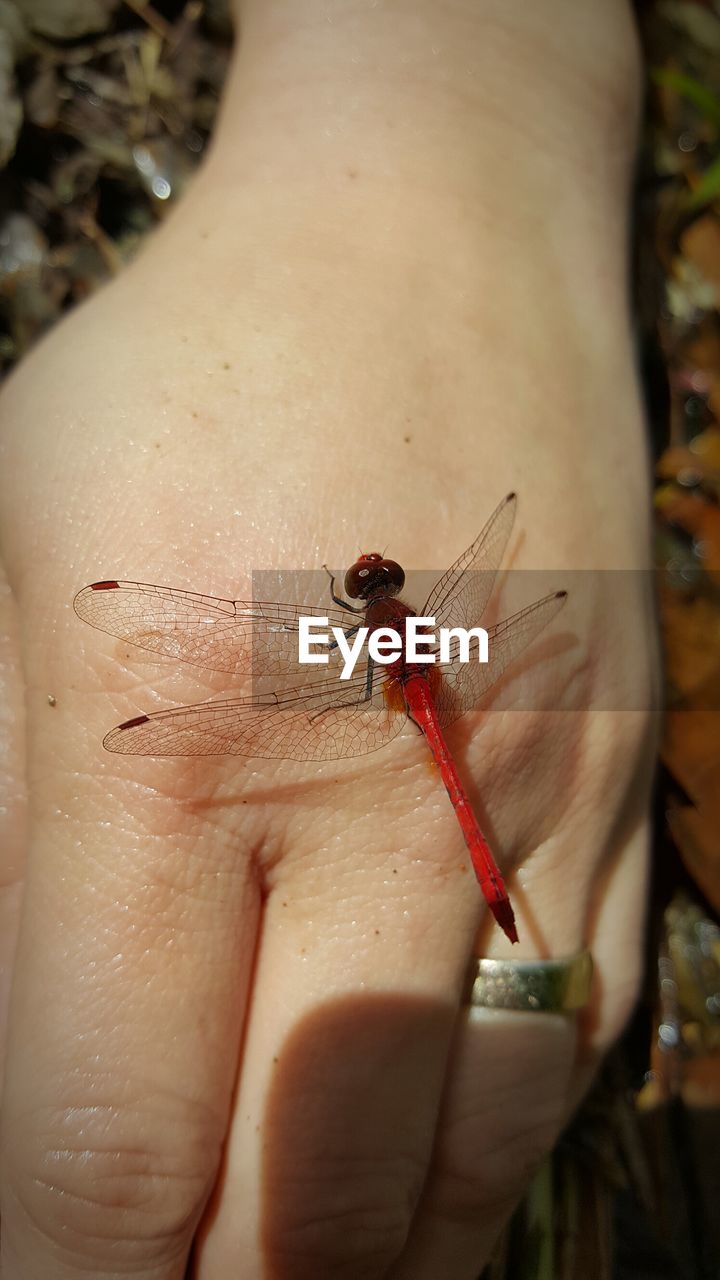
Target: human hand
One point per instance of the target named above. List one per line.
(237, 994)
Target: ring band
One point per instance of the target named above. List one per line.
(536, 986)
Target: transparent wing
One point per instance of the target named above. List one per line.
(464, 683)
(312, 722)
(240, 637)
(459, 598)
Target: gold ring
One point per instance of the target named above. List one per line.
(537, 986)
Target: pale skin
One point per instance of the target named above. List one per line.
(396, 290)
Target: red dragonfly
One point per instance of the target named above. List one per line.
(324, 717)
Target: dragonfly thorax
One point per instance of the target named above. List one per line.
(372, 575)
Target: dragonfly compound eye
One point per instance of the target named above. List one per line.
(372, 575)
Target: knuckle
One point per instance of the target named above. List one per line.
(491, 1150)
(490, 1181)
(90, 1179)
(351, 1223)
(619, 755)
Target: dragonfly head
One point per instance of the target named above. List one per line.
(373, 575)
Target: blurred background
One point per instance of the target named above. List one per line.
(106, 107)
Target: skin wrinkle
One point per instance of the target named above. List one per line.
(125, 1185)
(86, 1239)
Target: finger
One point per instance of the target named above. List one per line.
(514, 1080)
(364, 949)
(503, 1109)
(127, 1006)
(135, 952)
(616, 928)
(372, 909)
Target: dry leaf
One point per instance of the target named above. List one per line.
(10, 109)
(67, 19)
(701, 246)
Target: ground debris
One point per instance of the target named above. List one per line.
(105, 111)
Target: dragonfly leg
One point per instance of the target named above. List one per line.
(345, 604)
(353, 631)
(353, 702)
(412, 720)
